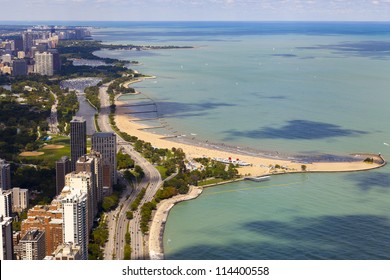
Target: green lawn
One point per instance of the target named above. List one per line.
(59, 140)
(210, 181)
(50, 156)
(162, 171)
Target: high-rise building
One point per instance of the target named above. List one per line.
(6, 203)
(67, 252)
(43, 63)
(46, 218)
(75, 218)
(28, 41)
(78, 140)
(20, 199)
(56, 59)
(5, 175)
(6, 242)
(15, 242)
(18, 44)
(19, 67)
(84, 164)
(41, 45)
(83, 181)
(92, 163)
(33, 246)
(105, 144)
(63, 167)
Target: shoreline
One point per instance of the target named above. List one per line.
(157, 227)
(157, 224)
(260, 165)
(260, 161)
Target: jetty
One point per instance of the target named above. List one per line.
(139, 105)
(258, 178)
(152, 127)
(142, 112)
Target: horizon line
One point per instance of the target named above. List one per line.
(254, 21)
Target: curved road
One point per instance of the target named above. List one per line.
(117, 219)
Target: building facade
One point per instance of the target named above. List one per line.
(6, 203)
(105, 144)
(78, 140)
(84, 164)
(43, 63)
(82, 182)
(46, 218)
(75, 221)
(63, 167)
(6, 248)
(19, 67)
(5, 175)
(92, 163)
(56, 59)
(33, 246)
(20, 199)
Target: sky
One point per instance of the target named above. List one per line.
(196, 10)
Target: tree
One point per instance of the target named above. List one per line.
(139, 172)
(129, 215)
(110, 202)
(127, 252)
(124, 161)
(303, 167)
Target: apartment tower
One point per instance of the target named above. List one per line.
(33, 245)
(75, 218)
(44, 63)
(63, 167)
(105, 144)
(6, 242)
(78, 140)
(5, 175)
(83, 182)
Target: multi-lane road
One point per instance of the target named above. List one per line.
(117, 221)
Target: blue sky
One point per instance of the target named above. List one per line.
(173, 10)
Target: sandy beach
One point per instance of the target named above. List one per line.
(259, 165)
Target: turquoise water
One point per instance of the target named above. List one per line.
(295, 88)
(314, 216)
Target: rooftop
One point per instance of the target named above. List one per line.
(103, 134)
(78, 119)
(32, 235)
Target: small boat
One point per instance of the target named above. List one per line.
(259, 178)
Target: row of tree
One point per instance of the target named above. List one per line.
(98, 239)
(92, 95)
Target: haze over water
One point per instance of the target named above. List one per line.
(295, 88)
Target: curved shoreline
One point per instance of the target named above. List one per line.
(259, 160)
(260, 164)
(157, 228)
(156, 233)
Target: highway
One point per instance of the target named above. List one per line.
(117, 221)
